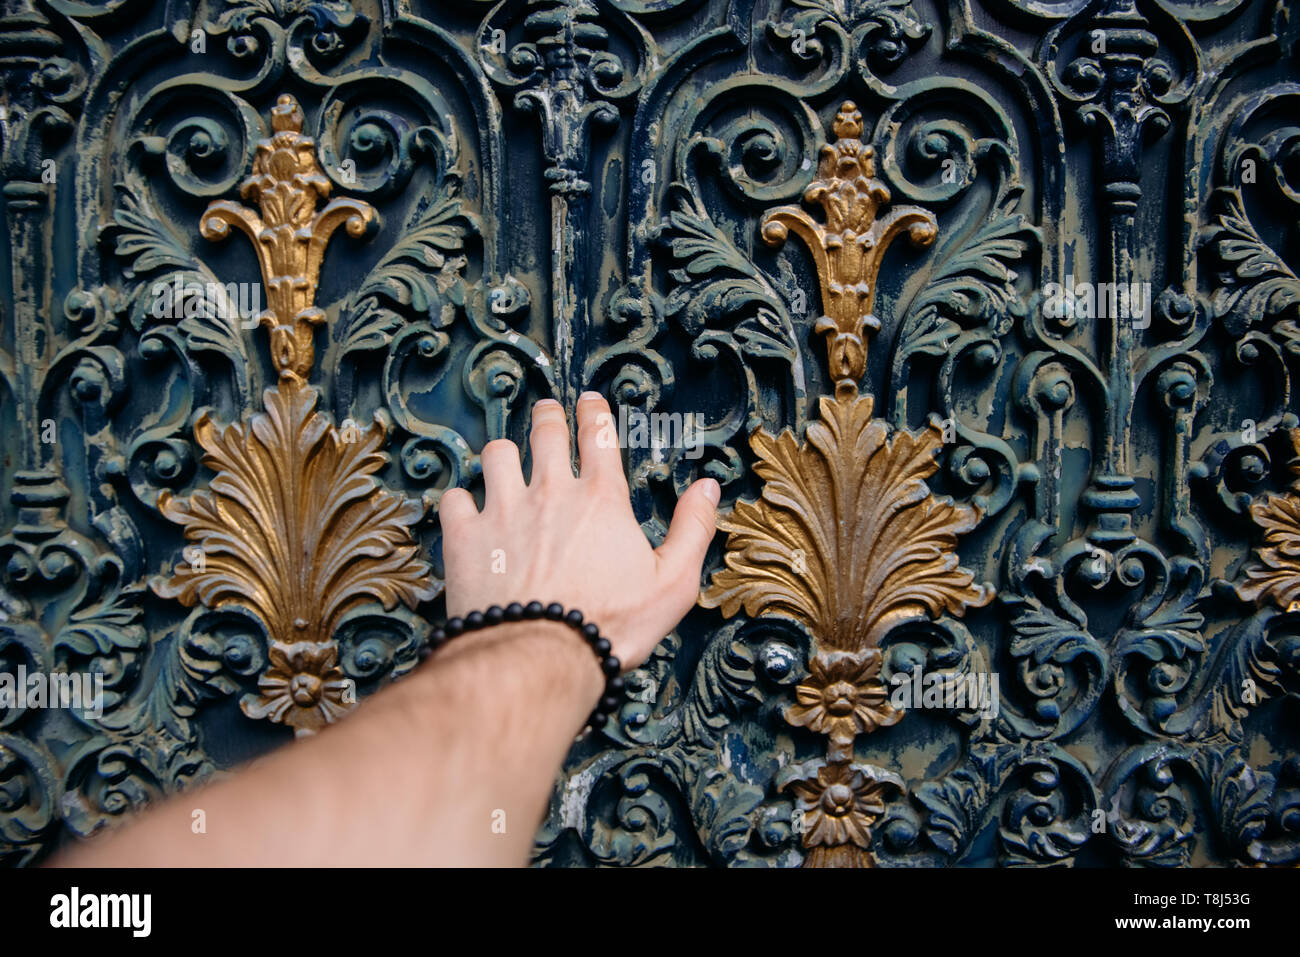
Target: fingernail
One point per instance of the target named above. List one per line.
(541, 403)
(589, 395)
(712, 490)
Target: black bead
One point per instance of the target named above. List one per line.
(438, 638)
(609, 703)
(494, 615)
(597, 721)
(574, 618)
(474, 621)
(590, 632)
(614, 685)
(514, 611)
(555, 611)
(611, 666)
(454, 627)
(425, 652)
(601, 646)
(533, 609)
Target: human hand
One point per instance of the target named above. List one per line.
(574, 540)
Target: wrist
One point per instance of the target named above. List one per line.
(560, 652)
(548, 652)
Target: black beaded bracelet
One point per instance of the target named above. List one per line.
(534, 610)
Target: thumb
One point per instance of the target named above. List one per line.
(694, 521)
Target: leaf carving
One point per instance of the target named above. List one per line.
(111, 622)
(957, 805)
(976, 283)
(424, 271)
(1257, 284)
(717, 284)
(847, 537)
(295, 526)
(187, 292)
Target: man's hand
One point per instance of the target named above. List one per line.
(472, 739)
(574, 540)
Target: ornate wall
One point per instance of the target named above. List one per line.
(837, 232)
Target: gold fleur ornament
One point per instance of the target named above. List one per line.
(848, 250)
(296, 526)
(846, 537)
(290, 234)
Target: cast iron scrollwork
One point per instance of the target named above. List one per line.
(1099, 508)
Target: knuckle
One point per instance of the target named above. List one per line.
(599, 427)
(455, 505)
(548, 483)
(500, 450)
(596, 408)
(550, 428)
(550, 413)
(609, 490)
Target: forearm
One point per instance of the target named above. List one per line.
(516, 695)
(417, 776)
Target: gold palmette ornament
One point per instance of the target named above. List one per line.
(846, 537)
(295, 526)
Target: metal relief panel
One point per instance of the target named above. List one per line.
(983, 314)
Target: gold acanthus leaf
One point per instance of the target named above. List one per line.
(1274, 575)
(295, 526)
(847, 537)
